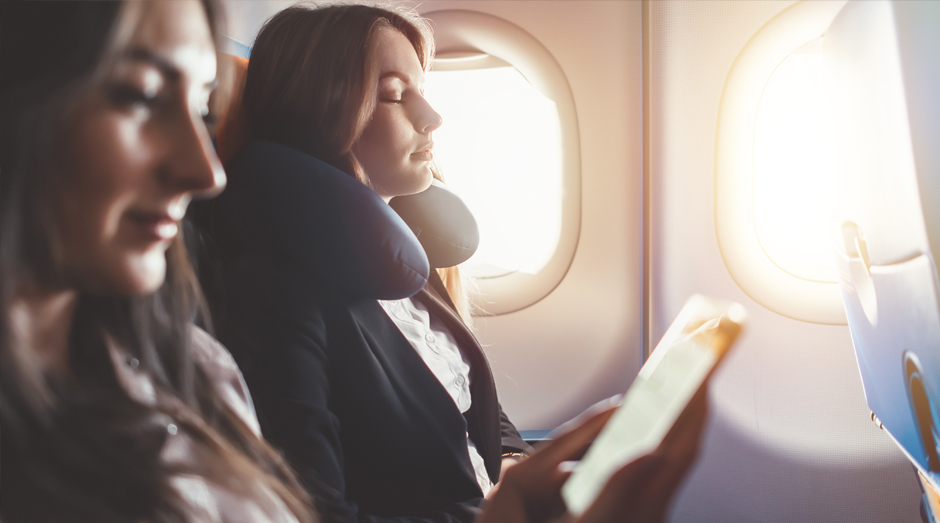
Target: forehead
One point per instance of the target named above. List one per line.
(395, 54)
(178, 33)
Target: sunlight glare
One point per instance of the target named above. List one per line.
(500, 150)
(792, 192)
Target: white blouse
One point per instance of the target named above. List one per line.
(437, 347)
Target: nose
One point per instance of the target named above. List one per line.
(192, 164)
(429, 119)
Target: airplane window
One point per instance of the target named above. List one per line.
(500, 150)
(772, 197)
(510, 147)
(791, 174)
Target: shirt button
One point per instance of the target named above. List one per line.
(429, 337)
(460, 380)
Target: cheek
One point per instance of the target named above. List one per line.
(379, 149)
(101, 181)
(371, 143)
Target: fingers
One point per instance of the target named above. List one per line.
(575, 441)
(529, 492)
(507, 463)
(659, 490)
(507, 505)
(532, 489)
(621, 499)
(641, 491)
(682, 441)
(597, 408)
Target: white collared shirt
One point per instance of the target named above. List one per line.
(437, 347)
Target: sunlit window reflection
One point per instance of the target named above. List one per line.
(791, 175)
(500, 150)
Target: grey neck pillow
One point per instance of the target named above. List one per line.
(442, 222)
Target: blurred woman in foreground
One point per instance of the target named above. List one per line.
(116, 407)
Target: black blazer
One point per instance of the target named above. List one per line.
(358, 414)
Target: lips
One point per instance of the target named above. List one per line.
(154, 226)
(425, 154)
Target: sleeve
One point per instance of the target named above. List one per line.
(291, 385)
(511, 439)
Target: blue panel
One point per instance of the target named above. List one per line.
(534, 435)
(233, 46)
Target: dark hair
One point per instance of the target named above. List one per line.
(77, 447)
(312, 76)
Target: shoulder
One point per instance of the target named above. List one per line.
(209, 353)
(265, 290)
(219, 366)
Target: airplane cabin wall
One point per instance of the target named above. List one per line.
(790, 437)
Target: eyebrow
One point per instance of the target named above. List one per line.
(145, 55)
(397, 74)
(168, 69)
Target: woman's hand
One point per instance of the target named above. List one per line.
(640, 492)
(508, 461)
(530, 492)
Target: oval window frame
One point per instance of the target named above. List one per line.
(747, 262)
(458, 31)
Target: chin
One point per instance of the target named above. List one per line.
(407, 178)
(424, 182)
(144, 275)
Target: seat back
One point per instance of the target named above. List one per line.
(884, 75)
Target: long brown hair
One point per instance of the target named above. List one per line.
(312, 80)
(77, 447)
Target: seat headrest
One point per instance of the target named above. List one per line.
(442, 222)
(327, 221)
(233, 132)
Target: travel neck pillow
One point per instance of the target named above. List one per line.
(328, 222)
(442, 222)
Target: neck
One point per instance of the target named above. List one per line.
(42, 319)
